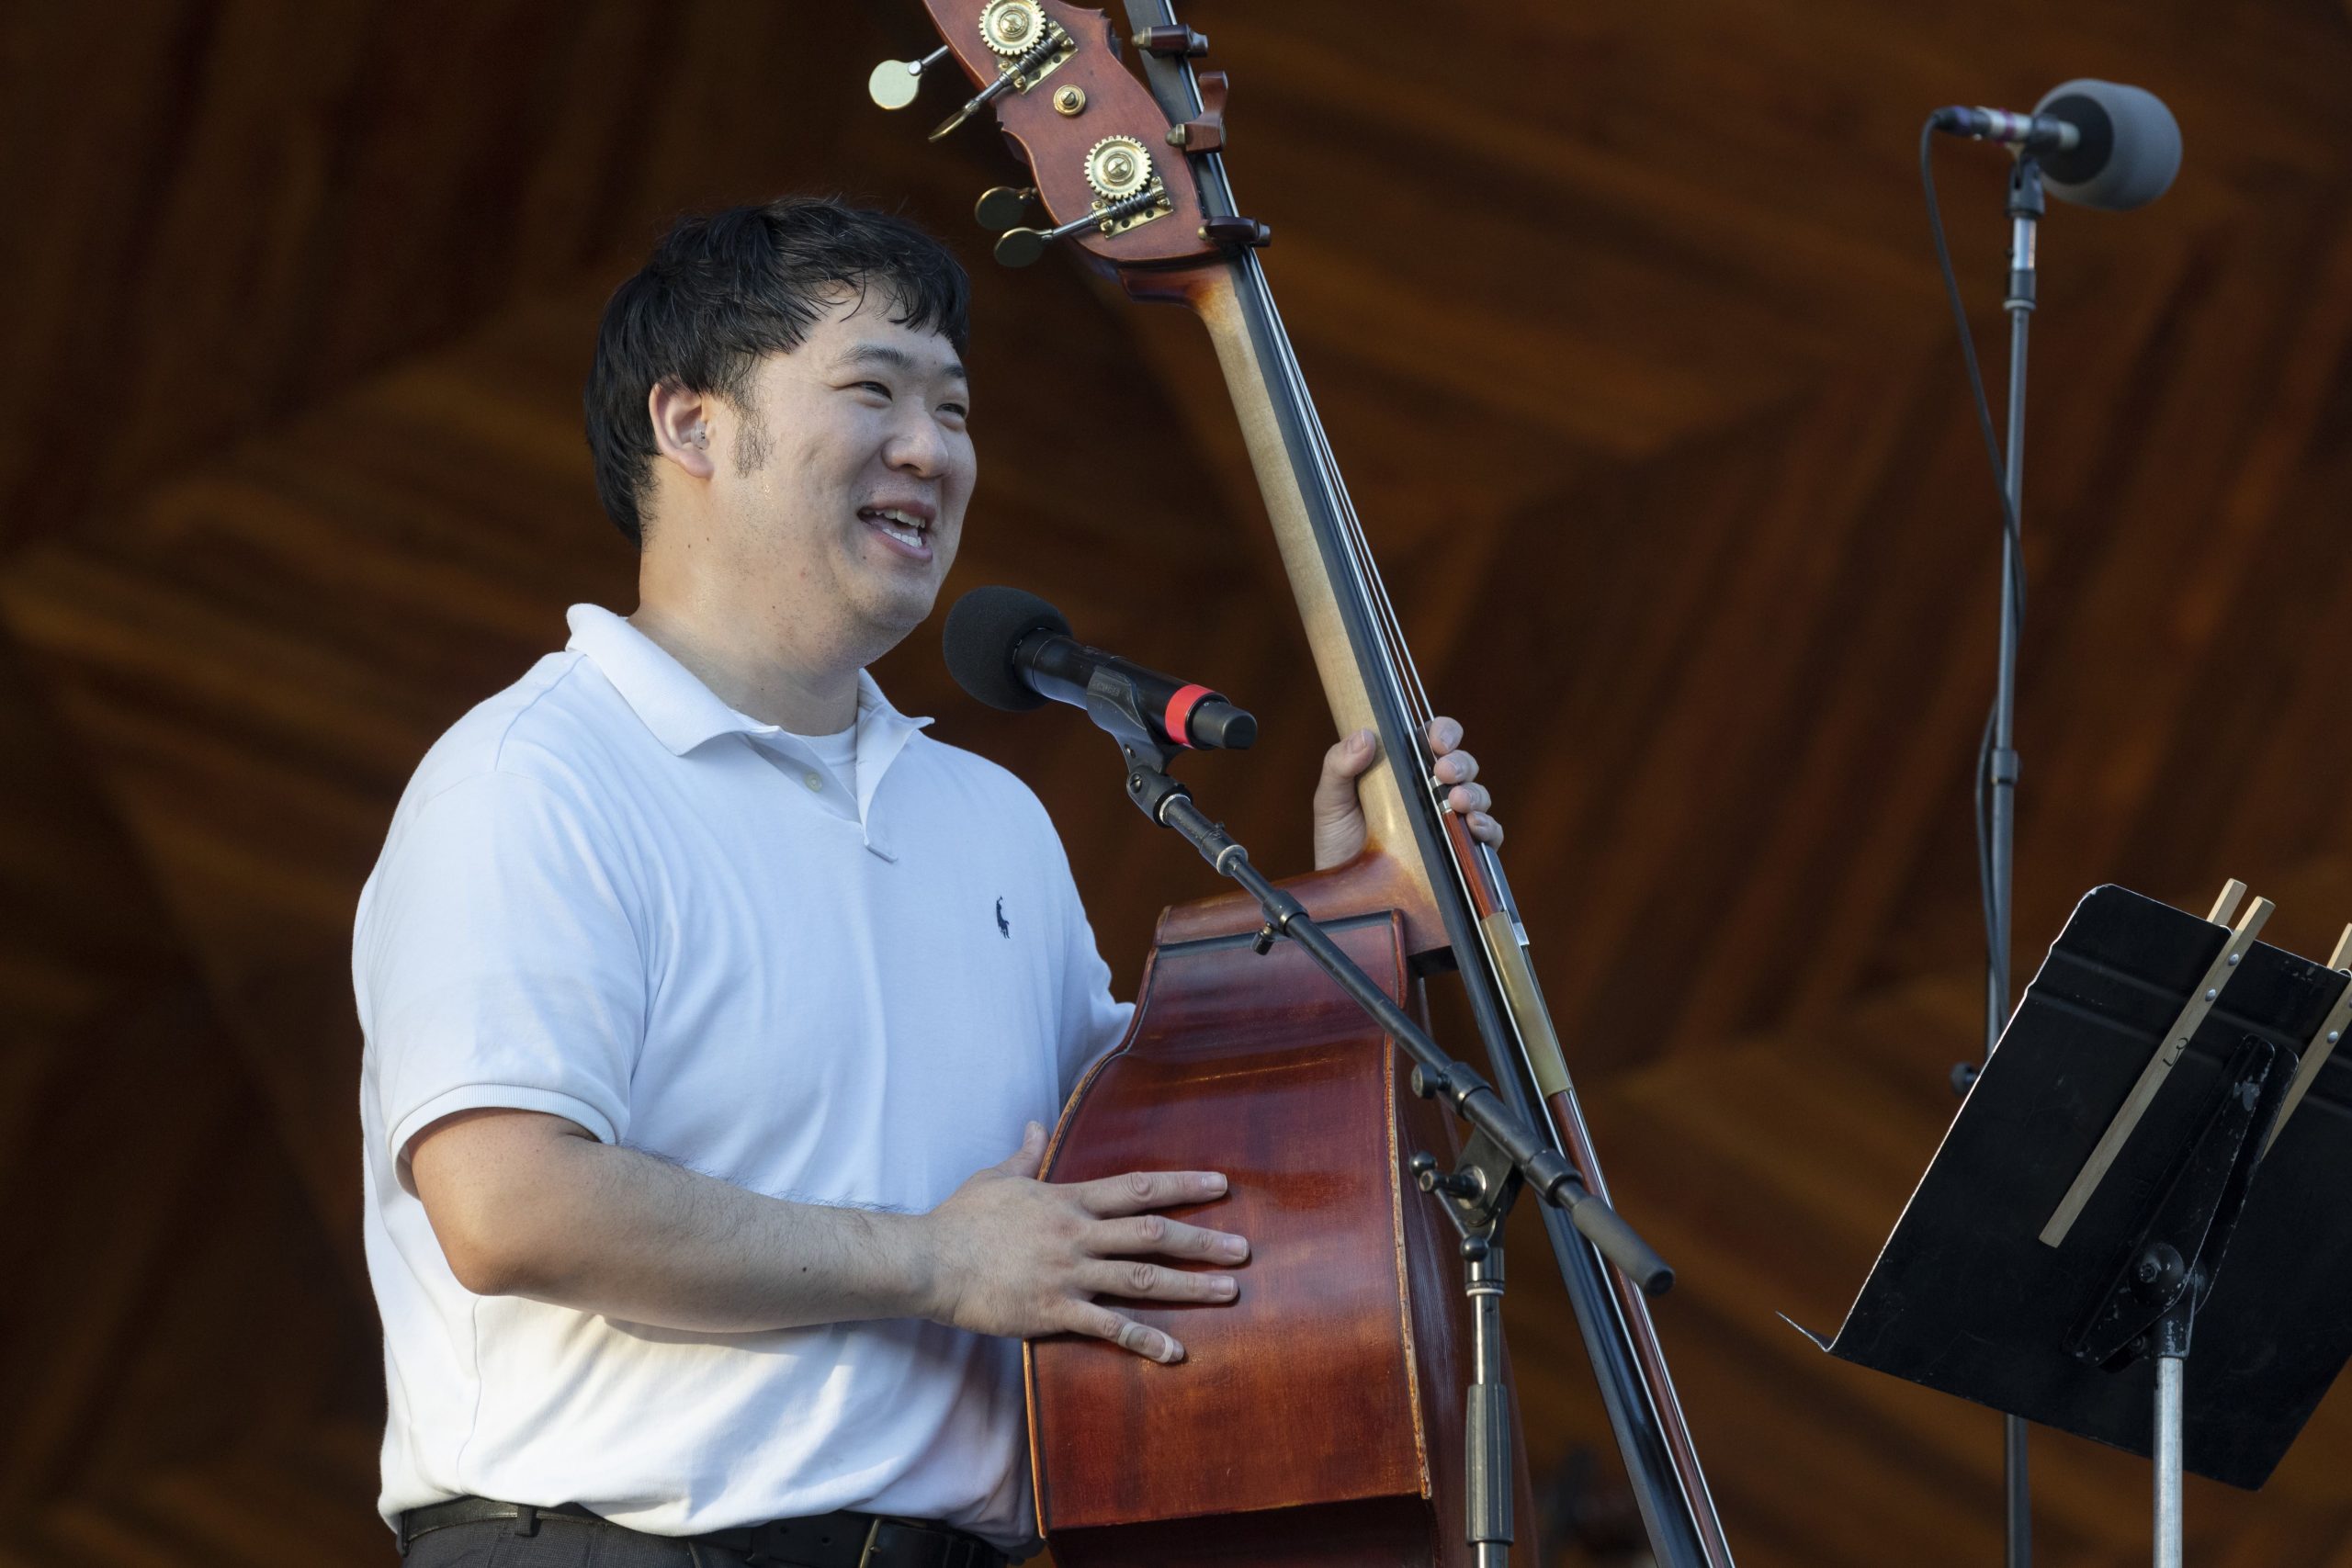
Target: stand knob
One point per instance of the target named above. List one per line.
(2158, 1271)
(1453, 1184)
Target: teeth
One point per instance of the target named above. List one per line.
(907, 530)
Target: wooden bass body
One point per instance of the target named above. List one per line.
(1311, 1423)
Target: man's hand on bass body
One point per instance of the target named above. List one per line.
(1015, 1256)
(1338, 814)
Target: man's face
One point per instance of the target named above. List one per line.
(848, 475)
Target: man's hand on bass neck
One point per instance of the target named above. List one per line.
(1338, 815)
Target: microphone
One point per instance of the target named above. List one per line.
(1012, 650)
(2101, 143)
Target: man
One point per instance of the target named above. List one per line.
(703, 994)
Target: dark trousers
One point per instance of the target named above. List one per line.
(560, 1544)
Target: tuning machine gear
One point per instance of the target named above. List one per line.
(1032, 45)
(1118, 167)
(1013, 28)
(895, 83)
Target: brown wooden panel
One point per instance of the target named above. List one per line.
(1625, 328)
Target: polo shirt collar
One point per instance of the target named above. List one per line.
(683, 713)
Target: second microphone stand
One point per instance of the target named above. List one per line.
(2026, 206)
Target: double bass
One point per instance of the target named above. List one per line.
(1320, 1419)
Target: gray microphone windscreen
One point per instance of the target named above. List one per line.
(2130, 151)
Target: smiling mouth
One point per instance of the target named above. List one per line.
(903, 527)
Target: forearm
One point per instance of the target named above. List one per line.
(528, 1204)
(609, 1230)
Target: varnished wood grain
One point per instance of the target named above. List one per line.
(1315, 1418)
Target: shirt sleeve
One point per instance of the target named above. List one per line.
(497, 965)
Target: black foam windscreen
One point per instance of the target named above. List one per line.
(2130, 151)
(983, 629)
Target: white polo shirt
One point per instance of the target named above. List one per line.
(608, 896)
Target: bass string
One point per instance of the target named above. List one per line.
(1396, 671)
(1404, 679)
(1403, 682)
(1399, 672)
(1402, 674)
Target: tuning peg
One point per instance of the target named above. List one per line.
(1205, 134)
(1002, 207)
(1172, 42)
(895, 83)
(987, 94)
(1236, 231)
(1015, 74)
(1018, 247)
(1021, 246)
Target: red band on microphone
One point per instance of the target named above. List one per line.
(1178, 719)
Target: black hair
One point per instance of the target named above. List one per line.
(725, 289)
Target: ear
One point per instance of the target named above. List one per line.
(681, 428)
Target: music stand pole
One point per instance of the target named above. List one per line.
(2171, 1370)
(2025, 210)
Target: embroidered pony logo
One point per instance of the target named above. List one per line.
(1003, 926)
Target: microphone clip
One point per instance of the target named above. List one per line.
(2027, 132)
(1149, 784)
(1118, 709)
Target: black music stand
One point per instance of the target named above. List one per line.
(2072, 1228)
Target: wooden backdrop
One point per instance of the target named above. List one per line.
(1625, 324)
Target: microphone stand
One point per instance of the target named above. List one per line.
(2025, 210)
(1503, 1156)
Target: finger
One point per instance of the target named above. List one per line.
(1350, 756)
(1444, 734)
(1160, 1236)
(1124, 1332)
(1140, 1189)
(1026, 1160)
(1484, 828)
(1455, 768)
(1151, 1283)
(1335, 791)
(1467, 798)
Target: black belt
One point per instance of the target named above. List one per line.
(845, 1539)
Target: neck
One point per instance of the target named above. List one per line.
(750, 671)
